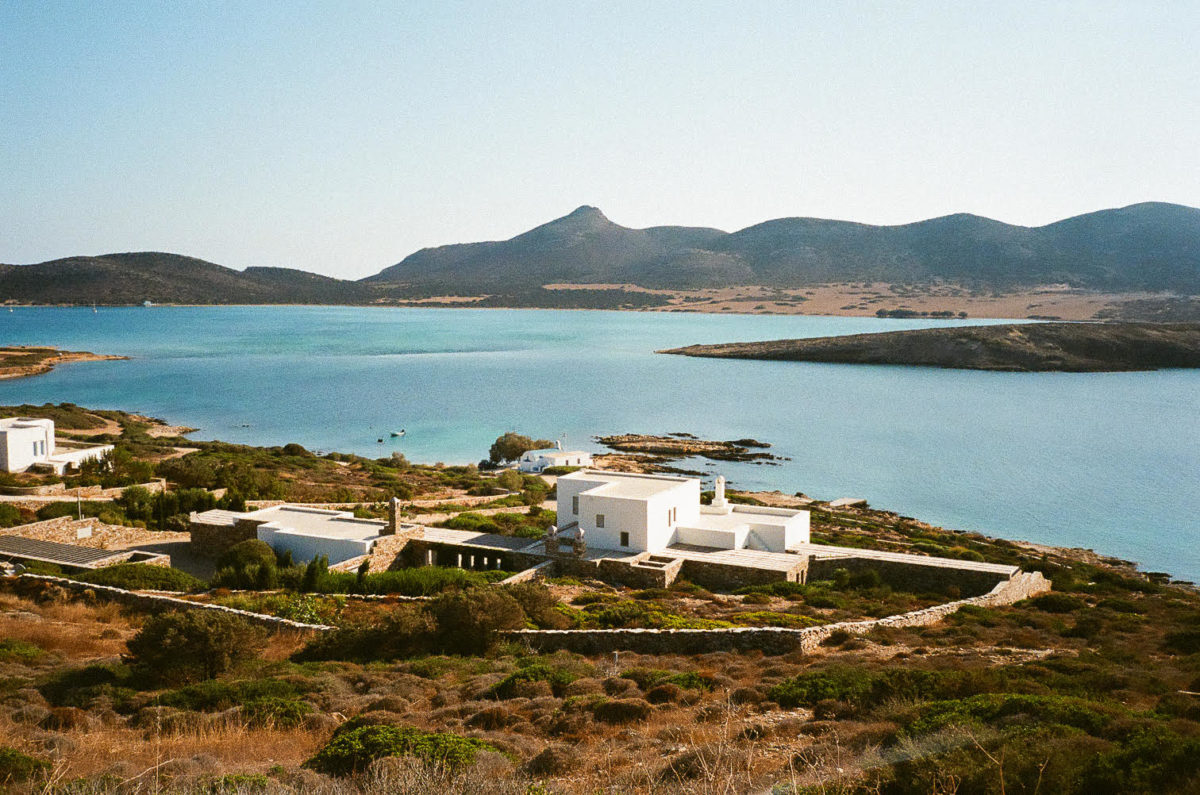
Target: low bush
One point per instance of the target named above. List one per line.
(13, 650)
(10, 515)
(16, 767)
(557, 677)
(79, 687)
(622, 710)
(469, 622)
(194, 644)
(1186, 641)
(141, 577)
(213, 695)
(540, 605)
(649, 678)
(1057, 603)
(353, 751)
(276, 712)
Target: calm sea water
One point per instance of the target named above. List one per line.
(1108, 461)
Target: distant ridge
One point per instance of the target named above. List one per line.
(1152, 246)
(132, 278)
(1149, 247)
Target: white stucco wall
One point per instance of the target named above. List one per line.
(306, 547)
(711, 537)
(18, 438)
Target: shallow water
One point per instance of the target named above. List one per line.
(1102, 460)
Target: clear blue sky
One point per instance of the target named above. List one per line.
(339, 137)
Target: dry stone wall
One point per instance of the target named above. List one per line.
(157, 602)
(772, 640)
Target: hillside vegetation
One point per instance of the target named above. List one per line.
(1150, 247)
(1066, 347)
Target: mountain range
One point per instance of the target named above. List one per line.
(1149, 247)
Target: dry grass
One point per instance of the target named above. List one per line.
(69, 629)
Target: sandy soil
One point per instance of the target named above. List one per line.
(866, 299)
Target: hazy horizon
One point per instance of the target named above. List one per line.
(340, 139)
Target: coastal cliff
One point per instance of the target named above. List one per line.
(1035, 347)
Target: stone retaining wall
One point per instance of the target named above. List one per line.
(772, 640)
(909, 575)
(60, 530)
(156, 602)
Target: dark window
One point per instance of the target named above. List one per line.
(624, 539)
(599, 520)
(575, 505)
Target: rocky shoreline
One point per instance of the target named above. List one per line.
(20, 361)
(646, 453)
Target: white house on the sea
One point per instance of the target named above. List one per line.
(537, 461)
(648, 513)
(26, 442)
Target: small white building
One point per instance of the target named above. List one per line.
(307, 532)
(26, 442)
(649, 513)
(537, 461)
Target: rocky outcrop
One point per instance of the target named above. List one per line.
(1033, 347)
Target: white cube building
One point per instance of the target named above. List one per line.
(25, 442)
(649, 513)
(537, 461)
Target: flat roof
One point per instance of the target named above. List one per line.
(626, 484)
(218, 517)
(744, 558)
(53, 552)
(319, 522)
(828, 551)
(468, 538)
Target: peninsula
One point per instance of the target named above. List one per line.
(1034, 347)
(20, 361)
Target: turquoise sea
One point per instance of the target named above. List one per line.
(1108, 461)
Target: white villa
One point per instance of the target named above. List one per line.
(538, 461)
(649, 513)
(26, 442)
(305, 532)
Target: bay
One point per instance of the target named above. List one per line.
(1101, 460)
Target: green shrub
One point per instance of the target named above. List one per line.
(1089, 716)
(276, 712)
(10, 515)
(407, 631)
(1057, 603)
(649, 678)
(539, 604)
(13, 650)
(142, 577)
(1186, 641)
(420, 581)
(351, 752)
(78, 687)
(17, 767)
(622, 710)
(213, 695)
(770, 618)
(468, 622)
(251, 552)
(509, 686)
(197, 643)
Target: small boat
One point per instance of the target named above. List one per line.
(380, 441)
(400, 432)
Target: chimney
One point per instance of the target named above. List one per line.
(393, 521)
(719, 502)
